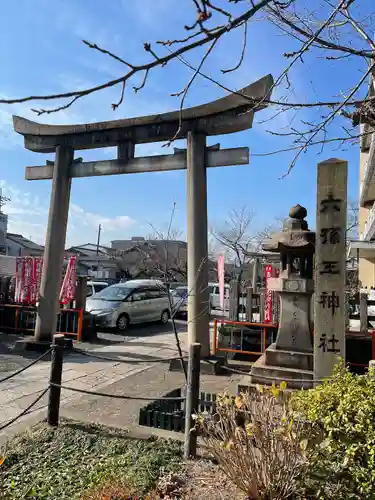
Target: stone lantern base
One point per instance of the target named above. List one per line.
(277, 365)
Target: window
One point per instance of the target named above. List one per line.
(181, 292)
(99, 288)
(114, 292)
(153, 294)
(138, 296)
(156, 293)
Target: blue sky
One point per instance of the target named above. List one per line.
(41, 52)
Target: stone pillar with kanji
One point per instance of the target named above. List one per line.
(330, 267)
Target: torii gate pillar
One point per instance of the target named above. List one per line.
(197, 263)
(46, 319)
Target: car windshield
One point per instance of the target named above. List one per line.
(180, 292)
(113, 292)
(99, 288)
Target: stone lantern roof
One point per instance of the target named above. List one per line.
(295, 235)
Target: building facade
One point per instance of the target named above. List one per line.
(363, 248)
(19, 246)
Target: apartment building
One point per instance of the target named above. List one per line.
(363, 249)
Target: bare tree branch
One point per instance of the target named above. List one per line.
(328, 31)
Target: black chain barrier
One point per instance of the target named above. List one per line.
(130, 361)
(25, 367)
(115, 396)
(26, 410)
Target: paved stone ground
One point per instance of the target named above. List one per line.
(85, 372)
(80, 371)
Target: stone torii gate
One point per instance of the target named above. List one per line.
(232, 113)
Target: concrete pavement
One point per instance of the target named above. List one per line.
(80, 371)
(84, 372)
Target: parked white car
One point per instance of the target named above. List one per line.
(94, 287)
(135, 301)
(179, 298)
(215, 298)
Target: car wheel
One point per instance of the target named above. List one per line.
(122, 322)
(164, 317)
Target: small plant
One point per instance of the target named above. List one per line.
(342, 464)
(256, 443)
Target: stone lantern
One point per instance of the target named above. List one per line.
(291, 355)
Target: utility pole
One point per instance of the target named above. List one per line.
(3, 224)
(97, 249)
(98, 241)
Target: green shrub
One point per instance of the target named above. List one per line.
(342, 410)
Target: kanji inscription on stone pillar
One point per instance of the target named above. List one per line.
(330, 266)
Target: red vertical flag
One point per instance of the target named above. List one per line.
(220, 274)
(268, 270)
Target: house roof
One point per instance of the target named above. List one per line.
(90, 249)
(26, 243)
(111, 264)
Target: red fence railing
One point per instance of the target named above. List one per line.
(22, 318)
(245, 329)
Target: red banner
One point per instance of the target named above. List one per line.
(20, 273)
(28, 278)
(268, 271)
(220, 273)
(37, 276)
(68, 288)
(28, 275)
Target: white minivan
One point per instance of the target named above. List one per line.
(93, 287)
(215, 298)
(135, 301)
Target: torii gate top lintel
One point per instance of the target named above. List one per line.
(231, 113)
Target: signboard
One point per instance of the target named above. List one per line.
(330, 267)
(220, 274)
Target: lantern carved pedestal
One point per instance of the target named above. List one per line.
(290, 358)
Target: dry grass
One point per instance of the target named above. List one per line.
(204, 480)
(198, 480)
(117, 490)
(256, 443)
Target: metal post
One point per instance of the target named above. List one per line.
(363, 313)
(234, 297)
(249, 303)
(55, 245)
(192, 399)
(198, 300)
(262, 300)
(55, 378)
(254, 280)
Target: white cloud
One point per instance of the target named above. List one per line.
(9, 139)
(89, 219)
(28, 216)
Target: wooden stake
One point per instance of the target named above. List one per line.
(192, 400)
